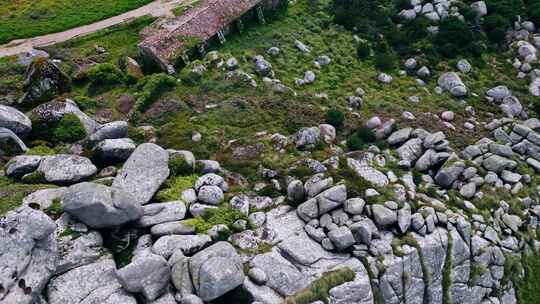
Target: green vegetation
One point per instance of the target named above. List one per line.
(223, 215)
(527, 287)
(12, 193)
(151, 89)
(361, 139)
(179, 166)
(105, 74)
(175, 186)
(35, 177)
(68, 130)
(41, 150)
(335, 117)
(320, 288)
(55, 210)
(25, 18)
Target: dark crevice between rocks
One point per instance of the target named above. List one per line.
(238, 296)
(377, 296)
(447, 271)
(121, 244)
(426, 276)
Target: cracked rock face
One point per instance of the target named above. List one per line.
(28, 255)
(143, 173)
(99, 206)
(216, 270)
(91, 283)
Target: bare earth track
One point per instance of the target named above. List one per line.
(157, 8)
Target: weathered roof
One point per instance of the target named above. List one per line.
(201, 22)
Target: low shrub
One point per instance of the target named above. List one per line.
(179, 166)
(41, 150)
(456, 38)
(68, 130)
(335, 118)
(105, 74)
(386, 61)
(496, 27)
(354, 143)
(223, 215)
(152, 87)
(366, 134)
(175, 186)
(363, 50)
(86, 104)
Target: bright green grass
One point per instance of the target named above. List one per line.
(12, 193)
(528, 290)
(25, 18)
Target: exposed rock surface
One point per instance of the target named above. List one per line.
(143, 173)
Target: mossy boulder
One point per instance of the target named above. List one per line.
(44, 81)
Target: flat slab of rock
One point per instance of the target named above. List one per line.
(99, 206)
(154, 214)
(112, 130)
(66, 169)
(216, 270)
(92, 283)
(189, 244)
(144, 172)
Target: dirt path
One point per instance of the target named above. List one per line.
(157, 8)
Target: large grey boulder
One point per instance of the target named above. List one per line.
(16, 121)
(92, 283)
(112, 130)
(148, 275)
(216, 270)
(21, 165)
(144, 172)
(114, 150)
(10, 143)
(28, 252)
(66, 169)
(99, 206)
(154, 214)
(451, 82)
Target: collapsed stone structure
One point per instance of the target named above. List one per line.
(172, 41)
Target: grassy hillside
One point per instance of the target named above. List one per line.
(29, 18)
